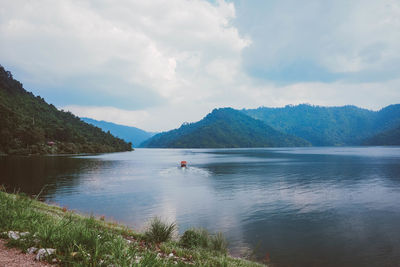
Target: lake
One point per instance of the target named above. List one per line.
(337, 206)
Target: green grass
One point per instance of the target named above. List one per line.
(201, 238)
(159, 231)
(87, 241)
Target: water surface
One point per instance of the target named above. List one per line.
(302, 206)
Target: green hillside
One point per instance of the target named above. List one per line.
(387, 118)
(386, 138)
(224, 128)
(328, 126)
(28, 125)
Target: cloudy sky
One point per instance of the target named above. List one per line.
(155, 64)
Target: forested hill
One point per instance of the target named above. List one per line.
(224, 128)
(329, 126)
(386, 138)
(28, 125)
(130, 134)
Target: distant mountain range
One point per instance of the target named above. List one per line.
(130, 134)
(329, 126)
(224, 128)
(301, 125)
(29, 125)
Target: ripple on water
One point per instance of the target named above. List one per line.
(191, 171)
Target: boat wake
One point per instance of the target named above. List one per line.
(191, 171)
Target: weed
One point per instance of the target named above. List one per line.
(159, 231)
(219, 243)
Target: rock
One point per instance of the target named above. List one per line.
(24, 234)
(171, 255)
(16, 235)
(31, 250)
(128, 241)
(44, 252)
(138, 259)
(13, 235)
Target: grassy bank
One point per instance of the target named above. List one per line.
(87, 241)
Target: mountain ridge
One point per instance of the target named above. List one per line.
(389, 137)
(224, 128)
(329, 126)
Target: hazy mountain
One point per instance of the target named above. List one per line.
(386, 138)
(387, 118)
(29, 125)
(130, 134)
(328, 126)
(224, 128)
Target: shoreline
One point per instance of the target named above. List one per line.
(79, 239)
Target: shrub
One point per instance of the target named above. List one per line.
(159, 231)
(190, 239)
(193, 238)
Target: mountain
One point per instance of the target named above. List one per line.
(328, 126)
(387, 118)
(386, 138)
(224, 128)
(28, 125)
(130, 134)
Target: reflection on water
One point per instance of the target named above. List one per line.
(304, 206)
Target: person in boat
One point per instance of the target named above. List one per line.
(183, 164)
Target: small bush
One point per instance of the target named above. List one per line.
(193, 238)
(190, 239)
(159, 231)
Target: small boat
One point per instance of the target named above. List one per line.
(183, 164)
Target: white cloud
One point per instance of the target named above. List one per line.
(149, 44)
(119, 116)
(166, 117)
(155, 64)
(337, 37)
(371, 95)
(368, 38)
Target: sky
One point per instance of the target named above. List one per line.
(156, 64)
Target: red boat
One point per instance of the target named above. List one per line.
(183, 164)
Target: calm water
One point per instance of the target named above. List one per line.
(303, 206)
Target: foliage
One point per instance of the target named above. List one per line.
(388, 138)
(159, 231)
(194, 238)
(28, 123)
(224, 128)
(83, 241)
(328, 126)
